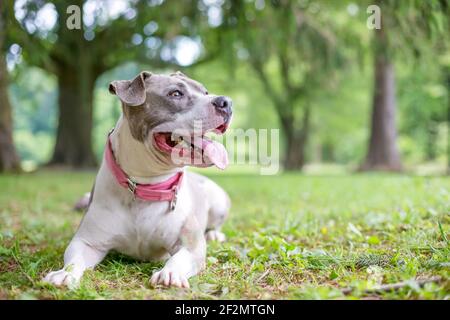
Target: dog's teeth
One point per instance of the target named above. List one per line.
(178, 139)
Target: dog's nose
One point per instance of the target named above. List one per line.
(223, 106)
(222, 103)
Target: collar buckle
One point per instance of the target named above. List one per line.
(173, 202)
(132, 185)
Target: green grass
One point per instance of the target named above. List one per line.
(289, 237)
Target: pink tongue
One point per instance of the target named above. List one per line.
(216, 153)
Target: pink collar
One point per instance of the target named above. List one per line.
(162, 191)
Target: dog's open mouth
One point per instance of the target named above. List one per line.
(197, 150)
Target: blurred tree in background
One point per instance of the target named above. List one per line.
(404, 26)
(9, 160)
(307, 67)
(77, 57)
(296, 51)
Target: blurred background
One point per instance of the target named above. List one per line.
(346, 96)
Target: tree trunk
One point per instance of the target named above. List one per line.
(296, 141)
(295, 152)
(448, 119)
(77, 68)
(73, 147)
(431, 146)
(9, 160)
(382, 152)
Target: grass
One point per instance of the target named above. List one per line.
(289, 237)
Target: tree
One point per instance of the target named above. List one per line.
(77, 63)
(403, 25)
(78, 56)
(9, 160)
(383, 152)
(294, 51)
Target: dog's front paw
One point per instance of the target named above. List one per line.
(215, 235)
(62, 278)
(169, 278)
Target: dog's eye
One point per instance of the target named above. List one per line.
(206, 93)
(175, 94)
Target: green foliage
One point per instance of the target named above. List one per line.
(423, 109)
(289, 236)
(294, 48)
(34, 115)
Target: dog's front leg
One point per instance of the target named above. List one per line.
(78, 257)
(186, 262)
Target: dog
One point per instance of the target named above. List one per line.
(144, 203)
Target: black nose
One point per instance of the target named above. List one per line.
(222, 104)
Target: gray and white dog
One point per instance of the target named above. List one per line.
(143, 145)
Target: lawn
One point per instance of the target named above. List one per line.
(289, 237)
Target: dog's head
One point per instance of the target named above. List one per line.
(170, 115)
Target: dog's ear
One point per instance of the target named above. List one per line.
(131, 92)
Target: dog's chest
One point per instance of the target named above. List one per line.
(151, 232)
